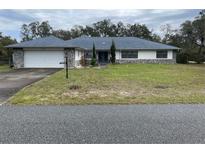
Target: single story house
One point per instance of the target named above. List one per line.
(49, 52)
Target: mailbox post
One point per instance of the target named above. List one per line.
(66, 64)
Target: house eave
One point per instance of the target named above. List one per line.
(43, 47)
(148, 49)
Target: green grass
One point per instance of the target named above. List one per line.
(4, 68)
(119, 84)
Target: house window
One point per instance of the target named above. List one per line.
(88, 54)
(162, 54)
(129, 54)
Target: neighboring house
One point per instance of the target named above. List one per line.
(49, 52)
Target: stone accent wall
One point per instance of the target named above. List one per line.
(18, 58)
(144, 61)
(77, 63)
(71, 57)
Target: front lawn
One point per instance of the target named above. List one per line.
(119, 84)
(4, 68)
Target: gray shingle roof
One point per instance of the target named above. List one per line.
(101, 43)
(120, 43)
(50, 41)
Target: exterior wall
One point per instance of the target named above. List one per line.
(148, 57)
(151, 55)
(145, 57)
(144, 61)
(18, 58)
(118, 55)
(78, 55)
(71, 57)
(170, 55)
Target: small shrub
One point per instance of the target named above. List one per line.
(93, 62)
(194, 56)
(182, 58)
(199, 58)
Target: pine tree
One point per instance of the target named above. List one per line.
(112, 50)
(93, 60)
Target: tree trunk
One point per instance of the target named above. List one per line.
(200, 55)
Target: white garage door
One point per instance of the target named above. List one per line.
(43, 59)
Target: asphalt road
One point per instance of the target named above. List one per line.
(103, 124)
(12, 81)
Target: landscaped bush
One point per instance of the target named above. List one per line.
(182, 58)
(93, 62)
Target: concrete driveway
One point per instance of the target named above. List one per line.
(103, 124)
(12, 81)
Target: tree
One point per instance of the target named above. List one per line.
(63, 34)
(35, 30)
(137, 30)
(1, 35)
(44, 29)
(90, 31)
(190, 38)
(4, 41)
(104, 27)
(168, 32)
(25, 33)
(156, 38)
(199, 33)
(112, 51)
(5, 54)
(76, 31)
(120, 29)
(93, 60)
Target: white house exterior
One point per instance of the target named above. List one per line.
(50, 52)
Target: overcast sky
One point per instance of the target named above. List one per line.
(11, 20)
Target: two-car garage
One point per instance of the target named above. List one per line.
(46, 52)
(43, 59)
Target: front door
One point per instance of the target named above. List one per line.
(103, 57)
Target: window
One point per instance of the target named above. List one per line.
(162, 54)
(129, 54)
(88, 54)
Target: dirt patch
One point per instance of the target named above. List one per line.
(161, 87)
(74, 87)
(97, 93)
